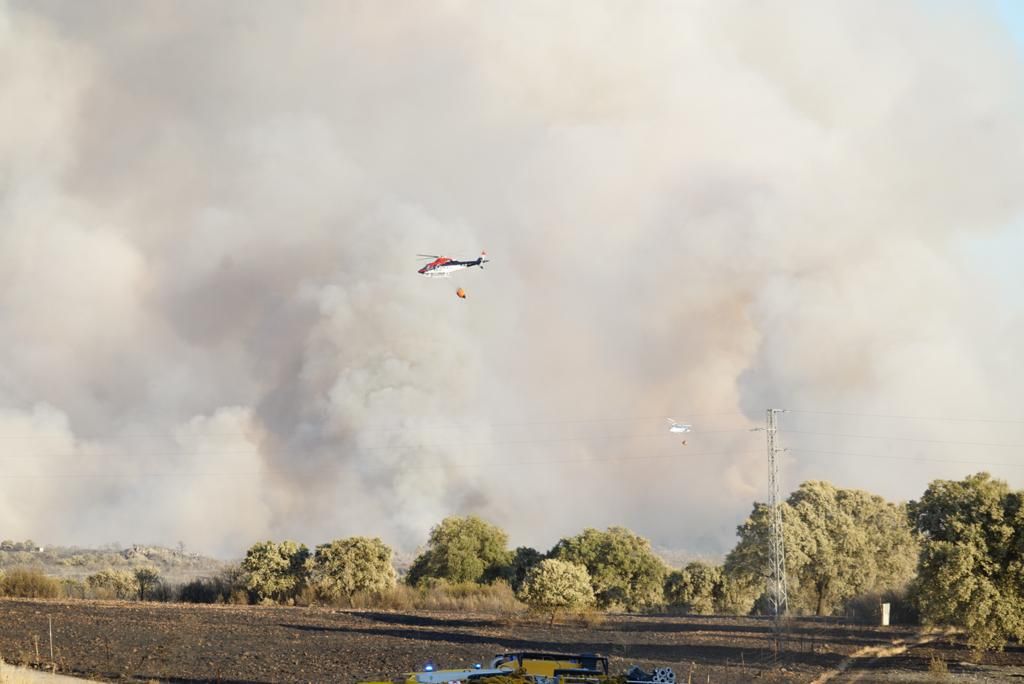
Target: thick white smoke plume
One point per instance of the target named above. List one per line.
(209, 216)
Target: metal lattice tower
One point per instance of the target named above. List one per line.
(777, 592)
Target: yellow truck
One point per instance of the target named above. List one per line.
(526, 667)
(521, 666)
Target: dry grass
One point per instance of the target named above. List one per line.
(8, 675)
(590, 618)
(13, 678)
(29, 583)
(938, 669)
(495, 598)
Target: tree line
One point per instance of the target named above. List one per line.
(953, 557)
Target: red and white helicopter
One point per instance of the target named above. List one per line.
(443, 267)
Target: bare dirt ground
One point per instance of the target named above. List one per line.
(195, 643)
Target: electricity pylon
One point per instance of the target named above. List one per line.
(777, 591)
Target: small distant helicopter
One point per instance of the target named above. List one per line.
(674, 426)
(443, 267)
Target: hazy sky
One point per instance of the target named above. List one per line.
(210, 214)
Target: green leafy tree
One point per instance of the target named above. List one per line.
(738, 594)
(551, 585)
(839, 543)
(624, 571)
(523, 558)
(146, 578)
(698, 588)
(275, 572)
(462, 550)
(971, 568)
(855, 543)
(347, 566)
(747, 564)
(677, 588)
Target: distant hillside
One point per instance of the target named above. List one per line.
(674, 558)
(178, 565)
(677, 558)
(175, 565)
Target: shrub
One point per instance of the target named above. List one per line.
(553, 584)
(72, 588)
(462, 550)
(25, 583)
(938, 669)
(109, 583)
(162, 592)
(226, 587)
(591, 618)
(624, 571)
(146, 578)
(349, 566)
(697, 588)
(275, 572)
(201, 590)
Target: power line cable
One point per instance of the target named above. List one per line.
(902, 458)
(901, 439)
(906, 417)
(342, 471)
(430, 426)
(382, 447)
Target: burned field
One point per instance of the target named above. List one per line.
(191, 643)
